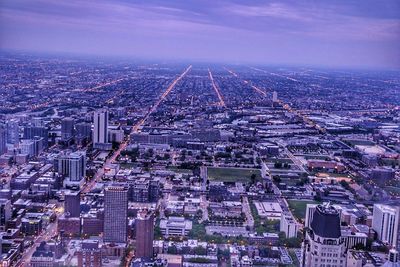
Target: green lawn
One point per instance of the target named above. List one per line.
(298, 207)
(232, 174)
(178, 170)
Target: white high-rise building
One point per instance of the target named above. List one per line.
(324, 244)
(12, 132)
(274, 96)
(385, 222)
(115, 214)
(100, 132)
(309, 214)
(27, 146)
(289, 225)
(72, 166)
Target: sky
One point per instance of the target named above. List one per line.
(348, 33)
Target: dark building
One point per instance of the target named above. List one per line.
(83, 132)
(67, 129)
(31, 131)
(72, 204)
(382, 175)
(144, 190)
(144, 225)
(323, 243)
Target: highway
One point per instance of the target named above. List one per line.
(100, 172)
(276, 74)
(258, 90)
(289, 108)
(221, 100)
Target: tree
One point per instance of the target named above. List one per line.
(277, 165)
(253, 178)
(199, 250)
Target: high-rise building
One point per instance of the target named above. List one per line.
(83, 132)
(31, 131)
(274, 96)
(67, 128)
(323, 244)
(115, 214)
(309, 214)
(385, 222)
(289, 225)
(27, 147)
(5, 212)
(12, 132)
(3, 140)
(144, 225)
(72, 166)
(100, 132)
(72, 203)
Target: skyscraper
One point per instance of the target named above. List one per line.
(115, 214)
(3, 139)
(144, 225)
(12, 132)
(385, 222)
(323, 244)
(67, 128)
(31, 131)
(72, 204)
(31, 147)
(100, 133)
(72, 166)
(83, 132)
(274, 96)
(5, 212)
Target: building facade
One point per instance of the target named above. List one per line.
(323, 245)
(115, 214)
(385, 222)
(144, 225)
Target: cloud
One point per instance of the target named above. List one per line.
(271, 10)
(250, 30)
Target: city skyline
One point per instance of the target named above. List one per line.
(334, 34)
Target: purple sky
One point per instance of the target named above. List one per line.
(326, 32)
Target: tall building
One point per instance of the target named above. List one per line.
(144, 225)
(3, 140)
(27, 147)
(115, 214)
(323, 244)
(72, 166)
(12, 132)
(5, 212)
(31, 131)
(309, 214)
(67, 128)
(289, 225)
(274, 96)
(385, 222)
(72, 204)
(83, 132)
(100, 132)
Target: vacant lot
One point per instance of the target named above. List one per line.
(232, 174)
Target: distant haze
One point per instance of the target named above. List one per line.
(349, 33)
